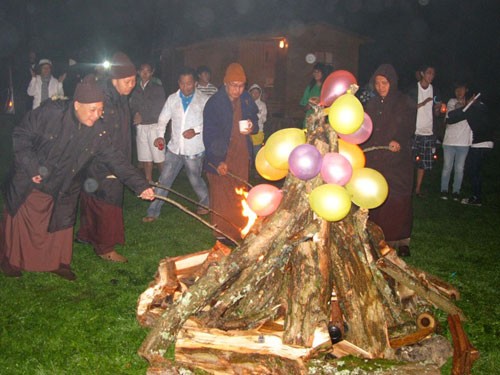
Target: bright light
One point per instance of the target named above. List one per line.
(106, 64)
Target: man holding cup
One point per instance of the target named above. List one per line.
(228, 120)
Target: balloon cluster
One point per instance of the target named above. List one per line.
(346, 179)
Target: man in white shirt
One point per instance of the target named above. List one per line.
(185, 148)
(424, 144)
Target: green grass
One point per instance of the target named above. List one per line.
(51, 326)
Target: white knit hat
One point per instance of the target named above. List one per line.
(45, 61)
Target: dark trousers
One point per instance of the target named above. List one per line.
(476, 159)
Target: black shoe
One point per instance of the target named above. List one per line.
(404, 251)
(455, 197)
(472, 201)
(65, 273)
(8, 270)
(80, 241)
(444, 195)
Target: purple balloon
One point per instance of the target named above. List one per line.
(336, 169)
(304, 161)
(362, 134)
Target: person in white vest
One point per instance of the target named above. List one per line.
(44, 86)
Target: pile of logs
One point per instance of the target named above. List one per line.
(294, 288)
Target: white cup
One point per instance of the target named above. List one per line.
(244, 125)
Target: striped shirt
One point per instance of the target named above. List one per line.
(208, 90)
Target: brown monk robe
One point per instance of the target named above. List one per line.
(228, 149)
(222, 189)
(53, 145)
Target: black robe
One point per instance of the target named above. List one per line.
(393, 120)
(52, 143)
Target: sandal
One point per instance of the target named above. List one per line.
(113, 256)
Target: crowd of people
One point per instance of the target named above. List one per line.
(408, 125)
(79, 151)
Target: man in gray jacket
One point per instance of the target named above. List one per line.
(146, 103)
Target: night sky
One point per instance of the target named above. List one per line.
(462, 38)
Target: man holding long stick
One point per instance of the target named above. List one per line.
(53, 147)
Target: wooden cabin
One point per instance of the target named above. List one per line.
(276, 61)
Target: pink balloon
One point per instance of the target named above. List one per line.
(335, 85)
(362, 134)
(264, 199)
(305, 161)
(336, 169)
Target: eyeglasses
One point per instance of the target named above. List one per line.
(235, 85)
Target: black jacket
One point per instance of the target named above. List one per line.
(478, 119)
(117, 123)
(52, 143)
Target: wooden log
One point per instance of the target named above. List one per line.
(403, 276)
(412, 338)
(217, 278)
(359, 298)
(237, 352)
(345, 348)
(432, 282)
(464, 354)
(149, 302)
(171, 271)
(305, 311)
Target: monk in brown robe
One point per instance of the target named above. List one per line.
(228, 149)
(53, 146)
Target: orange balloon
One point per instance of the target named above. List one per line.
(266, 170)
(353, 153)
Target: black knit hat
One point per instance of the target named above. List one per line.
(121, 66)
(88, 91)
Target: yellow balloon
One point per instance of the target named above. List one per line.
(280, 145)
(353, 153)
(331, 202)
(266, 170)
(346, 114)
(368, 188)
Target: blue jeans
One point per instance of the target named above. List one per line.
(453, 158)
(171, 168)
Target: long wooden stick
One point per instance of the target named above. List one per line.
(375, 148)
(182, 208)
(233, 176)
(156, 184)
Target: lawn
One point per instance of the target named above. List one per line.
(52, 326)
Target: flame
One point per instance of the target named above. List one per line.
(246, 211)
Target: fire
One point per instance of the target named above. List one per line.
(246, 211)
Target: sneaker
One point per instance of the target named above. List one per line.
(202, 211)
(148, 219)
(444, 195)
(472, 201)
(455, 197)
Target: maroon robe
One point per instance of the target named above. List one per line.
(222, 189)
(27, 245)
